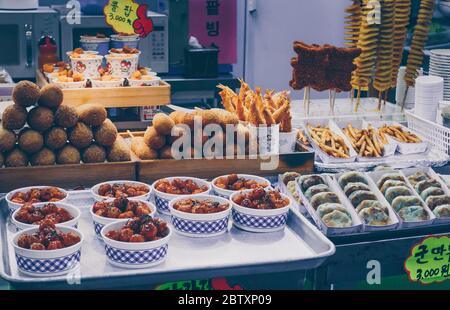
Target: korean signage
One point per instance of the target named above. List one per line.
(429, 261)
(128, 17)
(215, 22)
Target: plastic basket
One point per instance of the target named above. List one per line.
(435, 134)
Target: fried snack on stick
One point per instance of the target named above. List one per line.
(268, 97)
(241, 110)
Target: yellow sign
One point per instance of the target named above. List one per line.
(128, 17)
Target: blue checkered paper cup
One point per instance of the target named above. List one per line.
(51, 263)
(200, 225)
(162, 199)
(259, 221)
(134, 255)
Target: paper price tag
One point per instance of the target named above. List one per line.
(429, 261)
(128, 17)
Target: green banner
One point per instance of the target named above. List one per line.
(429, 261)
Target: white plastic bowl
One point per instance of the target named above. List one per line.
(88, 66)
(52, 263)
(122, 65)
(226, 193)
(260, 221)
(97, 197)
(74, 212)
(162, 199)
(100, 221)
(200, 225)
(14, 206)
(134, 255)
(70, 85)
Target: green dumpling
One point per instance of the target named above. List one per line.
(414, 214)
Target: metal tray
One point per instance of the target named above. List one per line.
(299, 246)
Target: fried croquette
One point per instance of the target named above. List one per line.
(69, 155)
(163, 124)
(41, 118)
(81, 136)
(8, 140)
(44, 157)
(177, 116)
(66, 116)
(142, 150)
(153, 139)
(26, 94)
(208, 117)
(106, 134)
(55, 138)
(92, 114)
(14, 117)
(94, 154)
(51, 96)
(119, 151)
(30, 141)
(166, 152)
(16, 158)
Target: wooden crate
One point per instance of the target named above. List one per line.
(152, 170)
(65, 176)
(116, 97)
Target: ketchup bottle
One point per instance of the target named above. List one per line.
(47, 51)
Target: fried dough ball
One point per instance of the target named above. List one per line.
(16, 158)
(55, 138)
(163, 124)
(30, 141)
(41, 118)
(51, 96)
(142, 150)
(81, 136)
(68, 155)
(26, 94)
(7, 140)
(92, 114)
(119, 151)
(106, 134)
(153, 139)
(66, 116)
(14, 117)
(94, 154)
(45, 157)
(166, 152)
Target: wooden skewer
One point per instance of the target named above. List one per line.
(329, 99)
(379, 100)
(305, 97)
(130, 133)
(352, 96)
(404, 98)
(334, 99)
(309, 99)
(385, 96)
(358, 99)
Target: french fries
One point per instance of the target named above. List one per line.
(329, 142)
(302, 138)
(398, 133)
(368, 142)
(258, 108)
